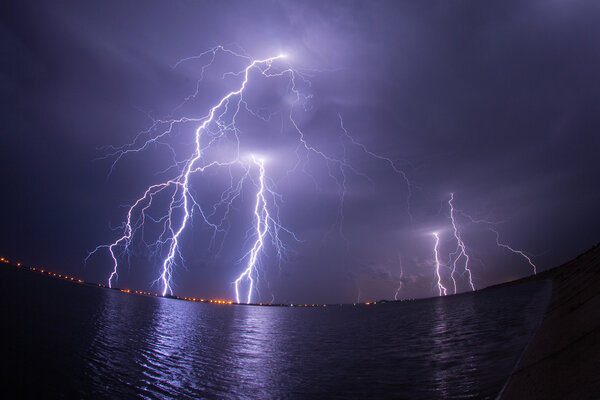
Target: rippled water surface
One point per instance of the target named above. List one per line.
(76, 341)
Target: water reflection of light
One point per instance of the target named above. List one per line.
(439, 348)
(157, 347)
(121, 327)
(440, 352)
(257, 350)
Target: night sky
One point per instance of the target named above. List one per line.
(496, 102)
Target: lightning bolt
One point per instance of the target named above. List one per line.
(261, 212)
(461, 249)
(400, 283)
(217, 145)
(460, 257)
(442, 289)
(519, 252)
(489, 225)
(129, 229)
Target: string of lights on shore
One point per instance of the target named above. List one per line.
(45, 272)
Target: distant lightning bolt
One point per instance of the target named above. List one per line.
(219, 127)
(519, 252)
(400, 283)
(489, 225)
(387, 160)
(441, 287)
(462, 252)
(461, 249)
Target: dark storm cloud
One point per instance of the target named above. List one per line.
(494, 101)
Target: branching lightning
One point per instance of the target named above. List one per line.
(490, 225)
(460, 257)
(518, 252)
(461, 249)
(218, 145)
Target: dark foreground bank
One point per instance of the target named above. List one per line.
(563, 359)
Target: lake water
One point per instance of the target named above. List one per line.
(75, 341)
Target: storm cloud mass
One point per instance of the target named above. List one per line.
(496, 102)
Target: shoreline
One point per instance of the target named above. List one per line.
(562, 357)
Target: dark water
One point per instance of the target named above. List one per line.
(75, 341)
